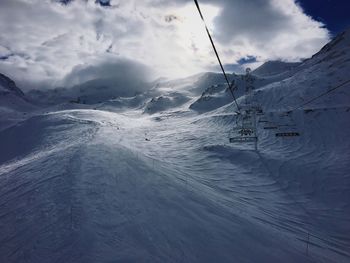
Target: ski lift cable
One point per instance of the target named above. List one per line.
(321, 95)
(217, 54)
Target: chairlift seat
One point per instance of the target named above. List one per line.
(287, 134)
(287, 125)
(243, 139)
(263, 121)
(246, 131)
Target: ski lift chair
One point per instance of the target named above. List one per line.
(259, 111)
(243, 134)
(270, 126)
(263, 120)
(287, 127)
(287, 131)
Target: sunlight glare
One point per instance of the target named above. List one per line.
(191, 29)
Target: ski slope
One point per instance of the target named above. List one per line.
(147, 179)
(86, 186)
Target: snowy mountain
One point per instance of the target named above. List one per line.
(91, 92)
(104, 3)
(165, 102)
(13, 103)
(272, 68)
(8, 86)
(326, 69)
(274, 81)
(105, 182)
(212, 98)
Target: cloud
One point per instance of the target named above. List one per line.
(108, 68)
(46, 41)
(124, 76)
(5, 53)
(267, 29)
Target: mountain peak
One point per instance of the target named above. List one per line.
(274, 67)
(9, 85)
(341, 41)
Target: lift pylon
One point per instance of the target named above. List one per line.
(245, 130)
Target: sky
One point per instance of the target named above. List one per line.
(333, 13)
(51, 43)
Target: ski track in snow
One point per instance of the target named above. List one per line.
(101, 192)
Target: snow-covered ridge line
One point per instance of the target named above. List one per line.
(8, 84)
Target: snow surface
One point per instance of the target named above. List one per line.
(136, 180)
(272, 68)
(13, 105)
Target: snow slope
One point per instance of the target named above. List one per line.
(282, 86)
(100, 184)
(102, 192)
(13, 103)
(325, 70)
(165, 102)
(272, 68)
